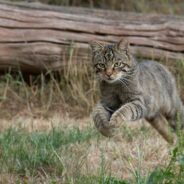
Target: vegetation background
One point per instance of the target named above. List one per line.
(47, 135)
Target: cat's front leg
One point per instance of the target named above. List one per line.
(101, 118)
(129, 112)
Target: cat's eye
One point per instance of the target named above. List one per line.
(100, 65)
(118, 64)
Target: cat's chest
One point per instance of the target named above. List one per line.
(114, 96)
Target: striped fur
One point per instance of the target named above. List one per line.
(131, 91)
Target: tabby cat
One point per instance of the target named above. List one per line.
(131, 91)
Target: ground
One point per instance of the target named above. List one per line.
(138, 151)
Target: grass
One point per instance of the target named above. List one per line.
(173, 172)
(39, 148)
(63, 155)
(29, 154)
(70, 90)
(76, 155)
(144, 6)
(74, 88)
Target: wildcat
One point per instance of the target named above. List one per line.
(131, 91)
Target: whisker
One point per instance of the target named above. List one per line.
(128, 80)
(124, 83)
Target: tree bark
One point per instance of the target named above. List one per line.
(36, 37)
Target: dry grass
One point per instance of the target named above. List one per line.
(72, 92)
(47, 101)
(124, 158)
(68, 91)
(139, 151)
(64, 100)
(145, 6)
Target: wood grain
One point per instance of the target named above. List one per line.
(36, 37)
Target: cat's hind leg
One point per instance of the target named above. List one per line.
(180, 116)
(160, 123)
(176, 119)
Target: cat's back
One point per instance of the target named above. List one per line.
(153, 70)
(156, 80)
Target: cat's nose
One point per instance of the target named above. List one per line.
(108, 73)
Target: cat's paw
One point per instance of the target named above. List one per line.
(104, 128)
(115, 118)
(107, 131)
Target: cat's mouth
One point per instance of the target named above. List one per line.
(110, 80)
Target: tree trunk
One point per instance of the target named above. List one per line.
(36, 37)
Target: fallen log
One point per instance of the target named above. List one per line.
(36, 37)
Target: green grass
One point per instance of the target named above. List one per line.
(173, 173)
(100, 180)
(23, 152)
(26, 154)
(59, 155)
(29, 154)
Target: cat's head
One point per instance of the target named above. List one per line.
(111, 62)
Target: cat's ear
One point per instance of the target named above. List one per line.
(96, 46)
(123, 45)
